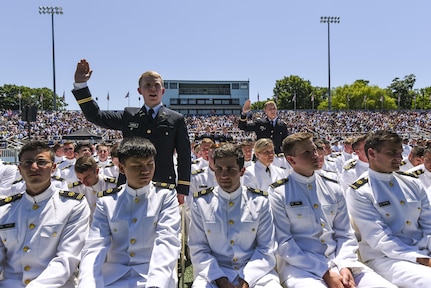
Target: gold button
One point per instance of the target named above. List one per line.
(137, 200)
(149, 131)
(387, 214)
(27, 281)
(230, 203)
(231, 222)
(299, 215)
(235, 259)
(25, 249)
(316, 206)
(309, 186)
(208, 231)
(115, 229)
(35, 206)
(94, 192)
(322, 224)
(232, 242)
(4, 240)
(402, 202)
(54, 234)
(134, 220)
(408, 222)
(391, 184)
(236, 268)
(322, 240)
(27, 268)
(132, 254)
(253, 229)
(31, 226)
(132, 241)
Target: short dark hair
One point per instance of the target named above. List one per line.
(290, 141)
(135, 147)
(80, 145)
(37, 146)
(230, 150)
(84, 164)
(376, 139)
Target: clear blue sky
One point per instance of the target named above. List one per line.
(259, 41)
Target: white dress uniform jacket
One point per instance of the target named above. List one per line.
(133, 240)
(232, 235)
(392, 213)
(257, 175)
(8, 174)
(41, 238)
(423, 174)
(312, 227)
(352, 170)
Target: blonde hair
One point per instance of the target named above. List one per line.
(262, 144)
(152, 74)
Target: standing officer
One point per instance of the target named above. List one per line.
(165, 128)
(270, 127)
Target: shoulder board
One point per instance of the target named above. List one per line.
(279, 155)
(60, 162)
(8, 163)
(257, 191)
(279, 183)
(10, 199)
(58, 178)
(109, 165)
(66, 167)
(110, 179)
(414, 174)
(72, 195)
(403, 163)
(350, 165)
(359, 183)
(17, 181)
(196, 161)
(109, 191)
(330, 160)
(74, 184)
(328, 178)
(203, 192)
(195, 172)
(169, 186)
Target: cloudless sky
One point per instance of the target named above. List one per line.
(259, 41)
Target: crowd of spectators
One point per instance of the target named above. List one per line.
(52, 126)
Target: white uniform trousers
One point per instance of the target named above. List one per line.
(267, 281)
(404, 274)
(364, 278)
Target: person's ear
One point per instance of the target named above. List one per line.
(371, 153)
(290, 159)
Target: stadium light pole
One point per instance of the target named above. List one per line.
(329, 20)
(52, 11)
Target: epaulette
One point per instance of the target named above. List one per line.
(67, 167)
(7, 163)
(109, 165)
(109, 191)
(203, 192)
(58, 178)
(414, 174)
(350, 165)
(330, 160)
(72, 195)
(110, 179)
(279, 182)
(169, 186)
(10, 199)
(199, 171)
(328, 178)
(74, 184)
(196, 161)
(257, 191)
(60, 162)
(359, 183)
(17, 181)
(335, 154)
(279, 155)
(403, 163)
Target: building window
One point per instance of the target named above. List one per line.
(235, 86)
(173, 85)
(244, 86)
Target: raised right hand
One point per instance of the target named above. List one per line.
(83, 71)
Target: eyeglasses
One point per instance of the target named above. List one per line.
(40, 163)
(67, 149)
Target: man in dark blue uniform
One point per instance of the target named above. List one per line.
(269, 127)
(165, 128)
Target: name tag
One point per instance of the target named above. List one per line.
(386, 203)
(133, 125)
(203, 186)
(9, 225)
(296, 203)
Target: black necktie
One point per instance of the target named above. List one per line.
(150, 114)
(272, 122)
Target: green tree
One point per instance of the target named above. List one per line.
(294, 92)
(402, 91)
